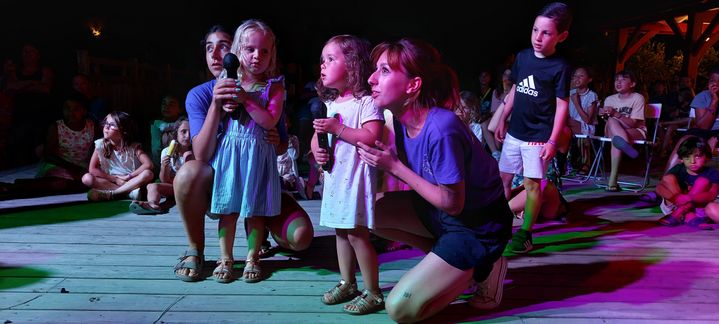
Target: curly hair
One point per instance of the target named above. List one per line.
(357, 63)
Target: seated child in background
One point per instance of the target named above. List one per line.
(287, 164)
(688, 187)
(554, 206)
(66, 154)
(468, 112)
(170, 112)
(118, 165)
(174, 156)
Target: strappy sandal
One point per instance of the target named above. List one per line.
(191, 265)
(341, 293)
(100, 195)
(670, 221)
(252, 267)
(144, 208)
(367, 303)
(223, 271)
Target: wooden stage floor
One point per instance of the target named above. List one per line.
(66, 260)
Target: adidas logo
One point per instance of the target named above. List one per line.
(527, 86)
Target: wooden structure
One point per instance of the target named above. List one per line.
(695, 24)
(96, 263)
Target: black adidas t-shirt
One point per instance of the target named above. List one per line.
(540, 81)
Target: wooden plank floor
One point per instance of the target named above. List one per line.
(95, 262)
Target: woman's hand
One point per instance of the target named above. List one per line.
(381, 157)
(326, 125)
(226, 93)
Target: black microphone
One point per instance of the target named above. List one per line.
(230, 64)
(323, 141)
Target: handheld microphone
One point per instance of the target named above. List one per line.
(230, 64)
(323, 140)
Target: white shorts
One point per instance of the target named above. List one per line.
(667, 207)
(520, 157)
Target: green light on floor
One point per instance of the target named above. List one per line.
(15, 277)
(61, 214)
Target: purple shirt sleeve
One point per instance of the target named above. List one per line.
(197, 104)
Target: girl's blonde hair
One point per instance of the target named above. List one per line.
(241, 36)
(358, 64)
(127, 128)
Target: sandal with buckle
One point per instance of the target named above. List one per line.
(100, 195)
(193, 266)
(252, 267)
(367, 303)
(223, 271)
(341, 293)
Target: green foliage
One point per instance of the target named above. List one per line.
(709, 61)
(651, 64)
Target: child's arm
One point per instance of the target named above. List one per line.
(146, 163)
(166, 174)
(370, 131)
(501, 129)
(449, 198)
(587, 116)
(560, 119)
(266, 118)
(704, 197)
(96, 171)
(320, 155)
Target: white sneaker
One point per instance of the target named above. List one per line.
(135, 194)
(489, 292)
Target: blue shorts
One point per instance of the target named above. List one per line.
(472, 239)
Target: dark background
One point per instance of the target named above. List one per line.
(472, 35)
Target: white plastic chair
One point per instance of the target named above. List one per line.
(652, 112)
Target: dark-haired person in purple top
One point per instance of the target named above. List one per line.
(456, 210)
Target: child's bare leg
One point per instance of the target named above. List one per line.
(346, 258)
(141, 179)
(712, 211)
(255, 236)
(614, 128)
(532, 187)
(507, 184)
(226, 229)
(97, 183)
(155, 192)
(366, 257)
(668, 188)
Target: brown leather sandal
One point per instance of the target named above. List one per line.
(367, 303)
(341, 293)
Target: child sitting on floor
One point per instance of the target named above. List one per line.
(172, 158)
(688, 187)
(118, 166)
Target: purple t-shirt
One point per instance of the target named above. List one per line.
(444, 152)
(198, 103)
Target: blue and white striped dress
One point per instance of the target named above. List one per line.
(246, 178)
